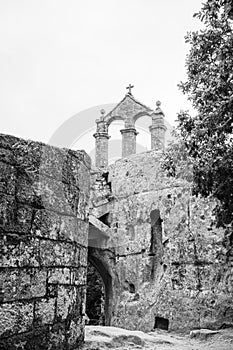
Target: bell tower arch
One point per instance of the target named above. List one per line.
(128, 110)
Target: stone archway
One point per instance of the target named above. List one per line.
(95, 297)
(99, 259)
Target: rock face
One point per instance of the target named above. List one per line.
(163, 262)
(167, 265)
(44, 237)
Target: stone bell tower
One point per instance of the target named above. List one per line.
(128, 110)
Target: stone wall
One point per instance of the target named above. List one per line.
(43, 231)
(157, 247)
(166, 257)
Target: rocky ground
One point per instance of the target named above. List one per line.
(101, 338)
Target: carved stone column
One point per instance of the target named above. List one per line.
(128, 141)
(158, 129)
(101, 142)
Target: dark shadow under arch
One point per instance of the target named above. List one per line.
(97, 257)
(95, 297)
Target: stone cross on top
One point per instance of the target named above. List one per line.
(129, 88)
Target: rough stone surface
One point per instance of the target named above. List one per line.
(202, 334)
(164, 256)
(44, 235)
(163, 261)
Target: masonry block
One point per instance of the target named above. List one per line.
(23, 283)
(15, 318)
(44, 311)
(59, 276)
(20, 251)
(43, 241)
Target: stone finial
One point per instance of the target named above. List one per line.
(158, 110)
(102, 126)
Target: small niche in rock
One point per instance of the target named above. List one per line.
(161, 323)
(136, 297)
(105, 176)
(132, 288)
(131, 232)
(156, 246)
(109, 184)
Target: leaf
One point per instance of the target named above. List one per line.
(206, 138)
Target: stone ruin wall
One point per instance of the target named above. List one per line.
(162, 255)
(185, 274)
(44, 237)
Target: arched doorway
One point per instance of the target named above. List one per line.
(98, 260)
(95, 297)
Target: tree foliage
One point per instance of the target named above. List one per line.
(207, 136)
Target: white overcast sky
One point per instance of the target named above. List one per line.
(59, 57)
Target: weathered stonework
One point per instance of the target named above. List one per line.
(157, 129)
(44, 238)
(164, 255)
(163, 261)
